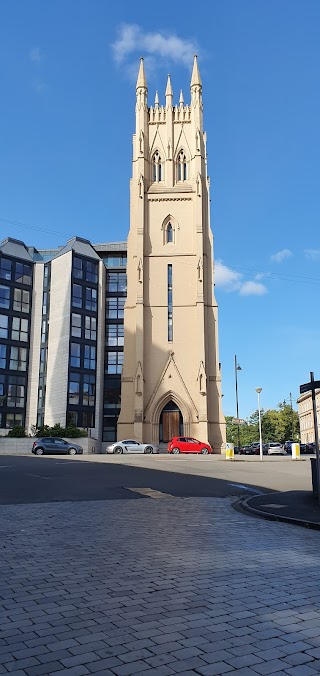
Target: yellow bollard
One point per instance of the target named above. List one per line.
(295, 451)
(229, 451)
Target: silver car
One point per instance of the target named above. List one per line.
(274, 448)
(131, 446)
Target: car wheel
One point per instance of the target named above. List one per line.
(118, 450)
(148, 449)
(72, 451)
(39, 451)
(204, 451)
(175, 451)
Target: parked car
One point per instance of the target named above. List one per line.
(287, 445)
(131, 446)
(52, 445)
(246, 450)
(264, 449)
(188, 445)
(311, 447)
(237, 450)
(275, 448)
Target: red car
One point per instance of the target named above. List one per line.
(188, 445)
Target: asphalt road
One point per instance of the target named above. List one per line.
(25, 479)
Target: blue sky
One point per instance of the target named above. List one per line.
(67, 77)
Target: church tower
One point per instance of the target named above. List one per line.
(171, 383)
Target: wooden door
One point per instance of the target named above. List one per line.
(170, 424)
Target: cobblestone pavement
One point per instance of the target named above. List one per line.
(156, 586)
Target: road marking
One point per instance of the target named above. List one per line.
(246, 488)
(39, 476)
(150, 493)
(274, 506)
(6, 466)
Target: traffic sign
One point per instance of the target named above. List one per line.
(314, 385)
(238, 421)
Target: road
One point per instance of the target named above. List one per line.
(25, 479)
(163, 579)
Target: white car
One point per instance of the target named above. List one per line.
(274, 448)
(131, 446)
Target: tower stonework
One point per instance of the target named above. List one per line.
(171, 382)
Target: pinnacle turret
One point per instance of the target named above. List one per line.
(195, 78)
(141, 81)
(181, 99)
(156, 100)
(169, 91)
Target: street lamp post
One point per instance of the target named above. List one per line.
(259, 390)
(237, 368)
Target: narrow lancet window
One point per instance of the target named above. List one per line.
(170, 322)
(157, 167)
(169, 233)
(182, 166)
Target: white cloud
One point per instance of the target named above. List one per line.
(253, 289)
(36, 55)
(226, 278)
(312, 254)
(156, 45)
(229, 280)
(281, 255)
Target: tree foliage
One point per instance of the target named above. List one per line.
(71, 431)
(17, 432)
(279, 424)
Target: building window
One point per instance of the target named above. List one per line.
(4, 296)
(18, 359)
(21, 300)
(182, 166)
(74, 389)
(114, 362)
(16, 392)
(169, 233)
(88, 391)
(3, 356)
(76, 295)
(43, 358)
(115, 335)
(90, 332)
(44, 303)
(2, 395)
(77, 268)
(157, 167)
(72, 418)
(19, 329)
(76, 325)
(14, 420)
(111, 261)
(75, 355)
(23, 273)
(115, 308)
(3, 326)
(89, 361)
(5, 268)
(92, 272)
(87, 419)
(116, 282)
(170, 324)
(91, 299)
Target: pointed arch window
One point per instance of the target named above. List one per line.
(182, 166)
(169, 234)
(156, 167)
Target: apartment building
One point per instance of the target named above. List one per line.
(62, 335)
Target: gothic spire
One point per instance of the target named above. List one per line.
(169, 91)
(141, 81)
(195, 78)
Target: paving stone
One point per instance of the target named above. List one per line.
(215, 669)
(269, 667)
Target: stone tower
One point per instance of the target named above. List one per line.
(171, 382)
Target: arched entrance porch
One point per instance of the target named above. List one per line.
(171, 422)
